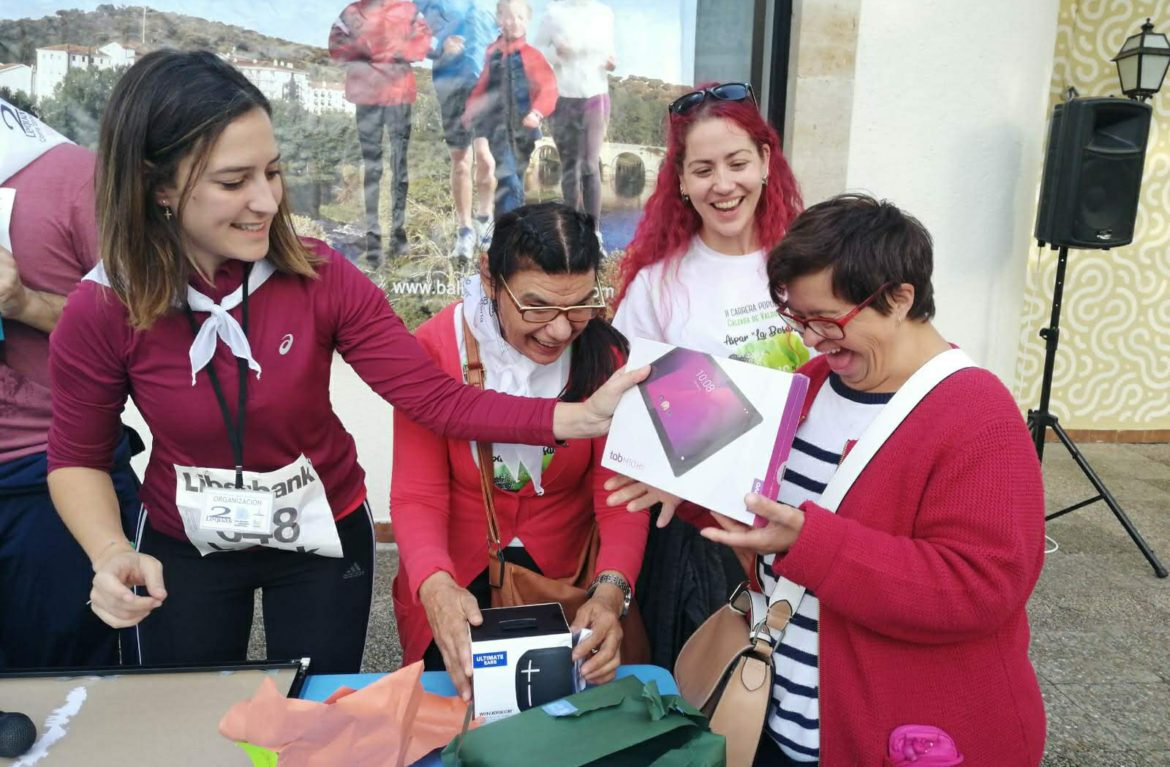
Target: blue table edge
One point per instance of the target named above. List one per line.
(320, 686)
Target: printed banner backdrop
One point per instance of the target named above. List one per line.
(60, 59)
(1113, 364)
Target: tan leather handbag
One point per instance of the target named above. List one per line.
(725, 669)
(513, 584)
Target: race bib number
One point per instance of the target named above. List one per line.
(283, 509)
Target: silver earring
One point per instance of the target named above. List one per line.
(166, 211)
(686, 197)
(764, 181)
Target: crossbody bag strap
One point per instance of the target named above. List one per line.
(475, 377)
(930, 375)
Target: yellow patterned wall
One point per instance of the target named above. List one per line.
(1113, 363)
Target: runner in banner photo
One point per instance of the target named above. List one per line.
(48, 240)
(222, 325)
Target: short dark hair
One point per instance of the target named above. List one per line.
(866, 243)
(553, 238)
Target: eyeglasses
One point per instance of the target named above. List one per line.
(828, 328)
(542, 315)
(724, 92)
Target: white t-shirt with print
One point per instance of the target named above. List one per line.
(711, 302)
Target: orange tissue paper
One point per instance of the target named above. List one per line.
(393, 721)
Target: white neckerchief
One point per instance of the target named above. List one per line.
(507, 370)
(219, 323)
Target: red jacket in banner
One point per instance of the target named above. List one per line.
(439, 520)
(516, 79)
(376, 40)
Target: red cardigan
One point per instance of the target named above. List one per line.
(438, 513)
(923, 576)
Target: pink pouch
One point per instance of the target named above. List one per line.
(922, 745)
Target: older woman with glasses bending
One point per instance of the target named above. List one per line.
(535, 318)
(910, 643)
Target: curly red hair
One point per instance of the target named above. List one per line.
(668, 223)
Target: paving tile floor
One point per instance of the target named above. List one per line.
(1100, 619)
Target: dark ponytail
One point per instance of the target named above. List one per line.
(557, 239)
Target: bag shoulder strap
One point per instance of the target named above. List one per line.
(475, 377)
(924, 380)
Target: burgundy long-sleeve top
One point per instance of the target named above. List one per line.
(295, 325)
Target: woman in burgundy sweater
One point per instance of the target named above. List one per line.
(222, 325)
(543, 257)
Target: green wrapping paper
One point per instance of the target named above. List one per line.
(621, 724)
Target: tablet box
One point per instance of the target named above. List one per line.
(521, 657)
(705, 428)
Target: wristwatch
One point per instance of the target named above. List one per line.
(614, 580)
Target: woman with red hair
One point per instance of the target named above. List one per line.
(695, 276)
(694, 273)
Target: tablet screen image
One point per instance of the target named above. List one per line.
(696, 408)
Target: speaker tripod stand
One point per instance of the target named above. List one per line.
(1040, 420)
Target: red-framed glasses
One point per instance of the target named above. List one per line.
(829, 328)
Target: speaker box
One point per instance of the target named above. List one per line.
(1093, 173)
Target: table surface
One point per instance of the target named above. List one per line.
(114, 719)
(320, 687)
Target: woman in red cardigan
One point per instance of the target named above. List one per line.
(910, 644)
(536, 314)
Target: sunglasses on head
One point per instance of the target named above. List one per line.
(724, 92)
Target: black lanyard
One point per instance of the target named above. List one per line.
(235, 430)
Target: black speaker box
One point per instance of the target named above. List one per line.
(1093, 173)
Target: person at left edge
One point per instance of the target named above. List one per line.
(222, 325)
(44, 574)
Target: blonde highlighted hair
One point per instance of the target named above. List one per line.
(168, 107)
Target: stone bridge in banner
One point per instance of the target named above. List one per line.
(628, 172)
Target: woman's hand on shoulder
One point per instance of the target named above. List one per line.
(602, 616)
(450, 608)
(783, 526)
(116, 572)
(638, 496)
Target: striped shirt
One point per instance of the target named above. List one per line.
(837, 418)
